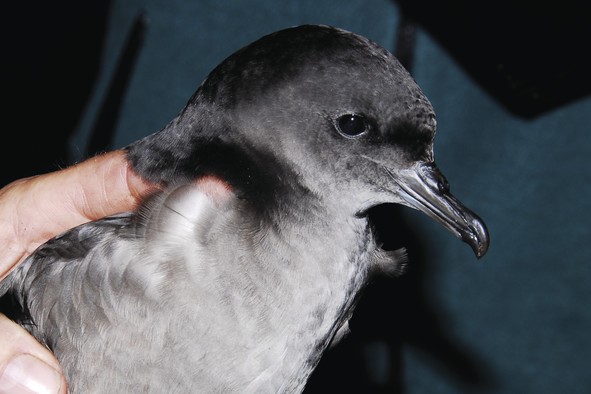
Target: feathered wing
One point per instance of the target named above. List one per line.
(44, 285)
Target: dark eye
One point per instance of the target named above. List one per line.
(352, 125)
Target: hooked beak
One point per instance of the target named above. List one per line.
(425, 188)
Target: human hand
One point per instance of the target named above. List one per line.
(33, 210)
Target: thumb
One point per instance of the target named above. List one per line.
(33, 210)
(26, 366)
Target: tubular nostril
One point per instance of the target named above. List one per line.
(443, 185)
(437, 177)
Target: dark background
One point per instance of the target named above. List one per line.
(510, 85)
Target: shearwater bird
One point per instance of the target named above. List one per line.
(242, 270)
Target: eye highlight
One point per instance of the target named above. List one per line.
(351, 125)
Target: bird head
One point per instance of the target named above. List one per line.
(324, 107)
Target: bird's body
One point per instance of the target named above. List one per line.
(206, 289)
(238, 275)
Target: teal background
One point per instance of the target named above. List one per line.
(519, 320)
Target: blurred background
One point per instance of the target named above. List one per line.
(510, 83)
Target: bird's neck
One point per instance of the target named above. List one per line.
(284, 272)
(313, 272)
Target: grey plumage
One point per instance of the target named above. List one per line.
(239, 274)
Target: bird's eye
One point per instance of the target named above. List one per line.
(352, 125)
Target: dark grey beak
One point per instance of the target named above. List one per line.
(425, 188)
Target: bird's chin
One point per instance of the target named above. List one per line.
(389, 226)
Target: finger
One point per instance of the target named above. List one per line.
(35, 209)
(105, 184)
(25, 365)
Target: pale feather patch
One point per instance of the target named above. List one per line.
(175, 222)
(391, 262)
(173, 215)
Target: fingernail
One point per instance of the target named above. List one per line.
(28, 374)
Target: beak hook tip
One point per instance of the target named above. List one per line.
(478, 239)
